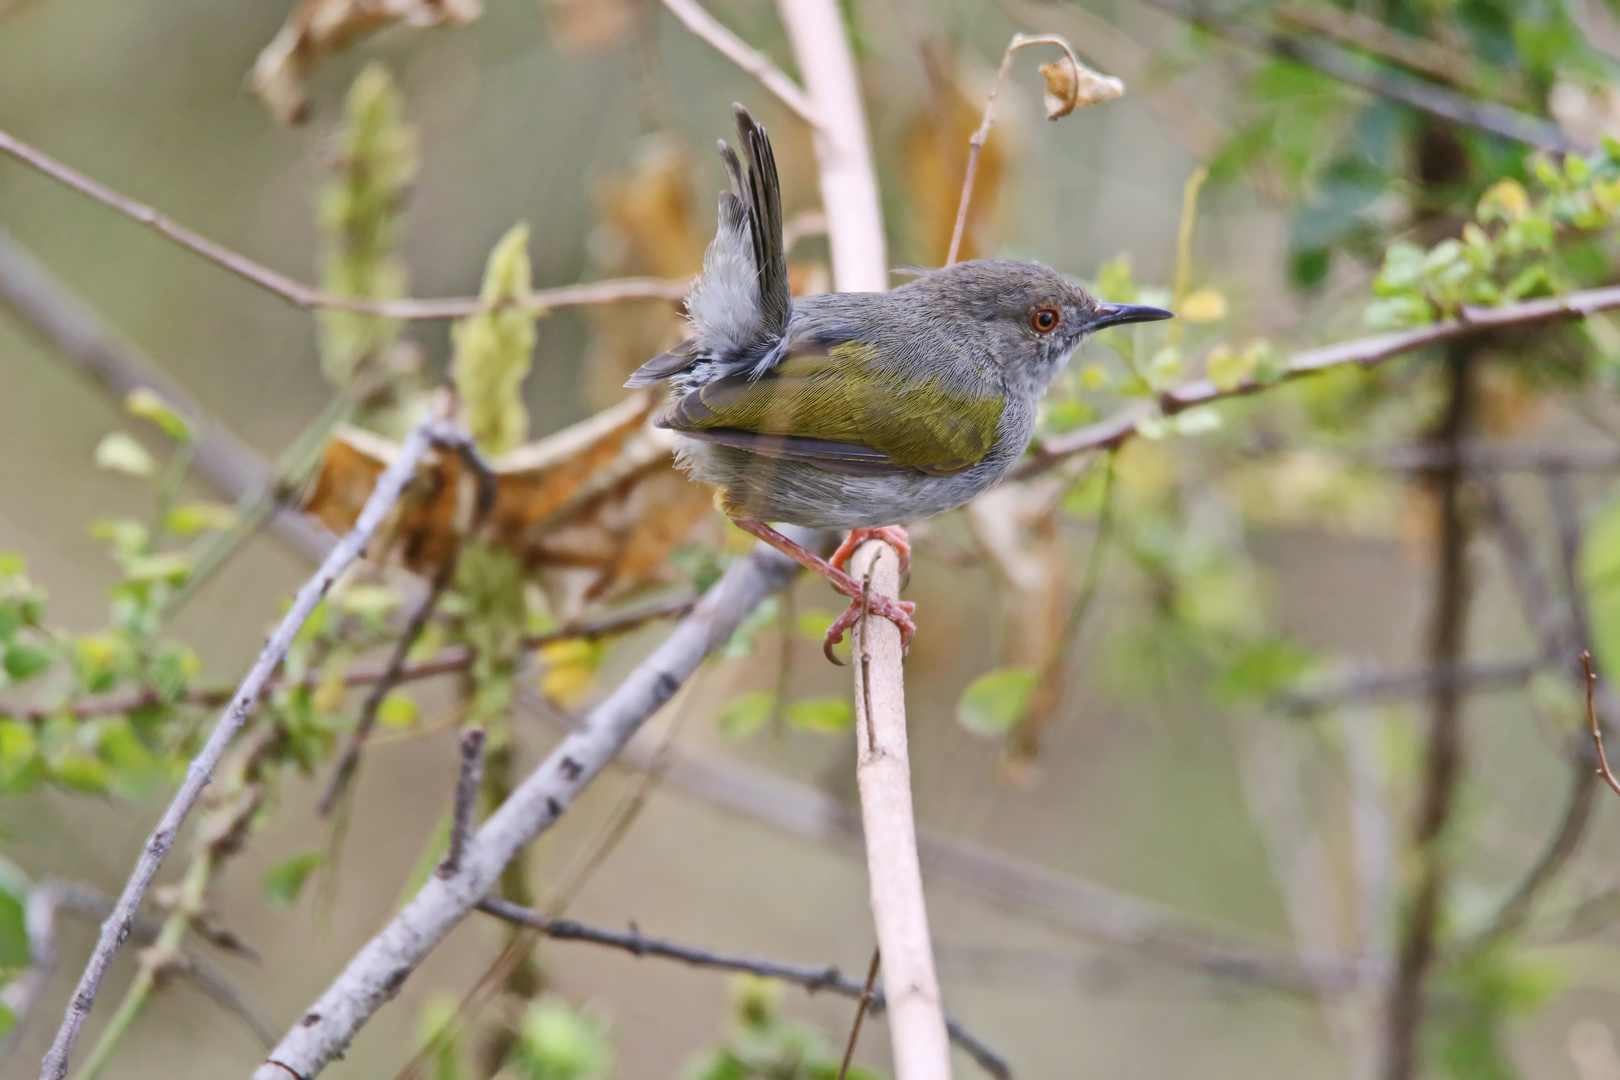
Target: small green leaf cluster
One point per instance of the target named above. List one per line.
(761, 1044)
(1510, 251)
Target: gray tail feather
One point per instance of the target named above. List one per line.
(664, 365)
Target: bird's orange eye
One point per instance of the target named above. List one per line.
(1044, 319)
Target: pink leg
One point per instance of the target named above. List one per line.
(891, 534)
(896, 611)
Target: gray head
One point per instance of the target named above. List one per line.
(1034, 316)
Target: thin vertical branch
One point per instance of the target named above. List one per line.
(883, 773)
(390, 486)
(849, 190)
(1443, 759)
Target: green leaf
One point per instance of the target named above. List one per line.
(191, 518)
(147, 405)
(812, 625)
(121, 453)
(1260, 671)
(557, 1043)
(746, 715)
(824, 715)
(284, 881)
(398, 710)
(23, 662)
(78, 771)
(172, 567)
(20, 767)
(15, 951)
(996, 700)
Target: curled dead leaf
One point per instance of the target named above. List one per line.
(1071, 86)
(592, 512)
(319, 29)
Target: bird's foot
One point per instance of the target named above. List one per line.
(896, 611)
(894, 535)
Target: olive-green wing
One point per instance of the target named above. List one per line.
(835, 408)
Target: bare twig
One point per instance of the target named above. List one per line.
(1591, 719)
(48, 898)
(1439, 101)
(349, 762)
(883, 772)
(445, 662)
(1431, 58)
(471, 775)
(697, 19)
(976, 141)
(378, 970)
(1480, 677)
(1443, 756)
(307, 296)
(390, 485)
(849, 191)
(1366, 352)
(812, 979)
(864, 1003)
(1069, 903)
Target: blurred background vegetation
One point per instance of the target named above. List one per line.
(1198, 695)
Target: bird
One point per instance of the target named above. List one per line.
(857, 411)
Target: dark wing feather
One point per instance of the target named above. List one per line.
(764, 198)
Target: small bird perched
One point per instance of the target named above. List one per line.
(857, 411)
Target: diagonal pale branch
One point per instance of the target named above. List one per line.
(390, 486)
(376, 972)
(697, 19)
(1365, 352)
(811, 978)
(230, 466)
(307, 296)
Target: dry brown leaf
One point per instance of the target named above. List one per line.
(589, 27)
(318, 29)
(592, 512)
(1071, 86)
(936, 151)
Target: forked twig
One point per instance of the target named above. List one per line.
(1592, 720)
(390, 486)
(307, 296)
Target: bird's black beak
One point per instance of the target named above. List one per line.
(1118, 314)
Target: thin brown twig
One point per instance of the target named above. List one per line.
(861, 1005)
(977, 140)
(467, 781)
(389, 488)
(447, 661)
(349, 762)
(697, 19)
(307, 296)
(812, 979)
(1592, 721)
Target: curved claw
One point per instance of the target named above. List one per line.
(896, 611)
